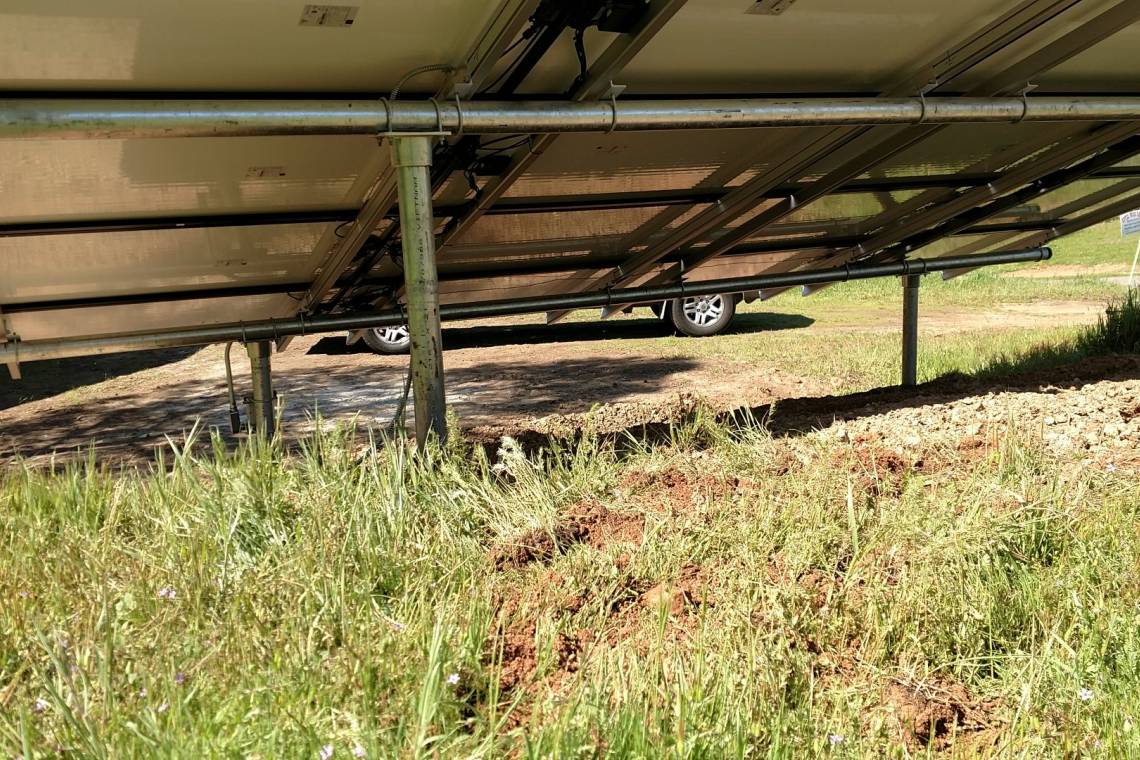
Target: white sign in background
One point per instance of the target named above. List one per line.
(1130, 225)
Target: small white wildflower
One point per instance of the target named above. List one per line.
(326, 752)
(453, 679)
(167, 593)
(1110, 467)
(1085, 694)
(834, 739)
(358, 751)
(142, 692)
(40, 705)
(163, 707)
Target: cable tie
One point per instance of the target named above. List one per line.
(387, 116)
(438, 115)
(1029, 87)
(613, 108)
(459, 115)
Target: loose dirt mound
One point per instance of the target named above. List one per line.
(683, 595)
(674, 491)
(874, 469)
(680, 598)
(933, 714)
(587, 522)
(520, 656)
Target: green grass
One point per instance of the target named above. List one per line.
(982, 287)
(258, 604)
(1100, 244)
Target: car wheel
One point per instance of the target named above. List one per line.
(699, 316)
(388, 340)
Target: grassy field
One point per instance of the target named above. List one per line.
(728, 594)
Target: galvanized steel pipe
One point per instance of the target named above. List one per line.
(276, 329)
(910, 330)
(261, 414)
(411, 156)
(121, 119)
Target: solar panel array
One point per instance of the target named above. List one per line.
(113, 236)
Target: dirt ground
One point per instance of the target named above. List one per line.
(501, 380)
(126, 404)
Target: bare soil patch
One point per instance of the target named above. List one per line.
(673, 490)
(127, 405)
(1035, 314)
(680, 599)
(588, 522)
(934, 713)
(1053, 271)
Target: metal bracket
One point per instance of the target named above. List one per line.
(464, 89)
(613, 92)
(8, 335)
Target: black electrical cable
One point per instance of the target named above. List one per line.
(503, 149)
(580, 51)
(499, 140)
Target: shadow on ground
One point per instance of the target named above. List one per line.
(489, 336)
(50, 378)
(129, 425)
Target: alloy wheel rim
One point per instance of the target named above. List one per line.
(397, 334)
(703, 310)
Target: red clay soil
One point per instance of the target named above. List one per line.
(588, 522)
(934, 714)
(674, 491)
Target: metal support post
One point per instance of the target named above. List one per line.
(910, 330)
(411, 156)
(261, 414)
(8, 335)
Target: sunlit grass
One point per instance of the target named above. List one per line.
(256, 604)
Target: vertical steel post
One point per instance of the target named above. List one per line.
(411, 155)
(261, 416)
(910, 330)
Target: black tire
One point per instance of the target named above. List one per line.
(388, 340)
(701, 316)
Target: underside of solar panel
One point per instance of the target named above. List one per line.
(172, 166)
